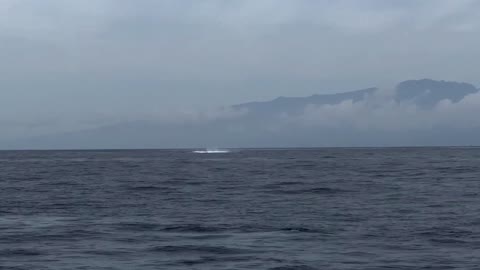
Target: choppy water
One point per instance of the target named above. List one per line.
(416, 208)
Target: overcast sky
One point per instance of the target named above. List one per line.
(69, 64)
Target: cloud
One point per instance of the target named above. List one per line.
(381, 112)
(53, 19)
(104, 60)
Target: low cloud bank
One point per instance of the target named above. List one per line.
(377, 120)
(382, 112)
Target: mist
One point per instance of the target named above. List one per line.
(381, 112)
(76, 65)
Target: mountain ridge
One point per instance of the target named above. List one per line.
(277, 123)
(423, 92)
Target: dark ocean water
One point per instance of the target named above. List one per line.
(412, 208)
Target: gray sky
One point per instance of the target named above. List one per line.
(71, 64)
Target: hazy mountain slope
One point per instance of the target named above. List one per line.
(427, 93)
(296, 104)
(284, 122)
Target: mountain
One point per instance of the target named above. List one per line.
(297, 104)
(425, 93)
(349, 120)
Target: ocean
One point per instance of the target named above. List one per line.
(280, 209)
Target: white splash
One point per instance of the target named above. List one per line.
(212, 151)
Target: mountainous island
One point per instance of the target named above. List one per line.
(415, 113)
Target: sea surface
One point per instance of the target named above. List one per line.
(302, 209)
